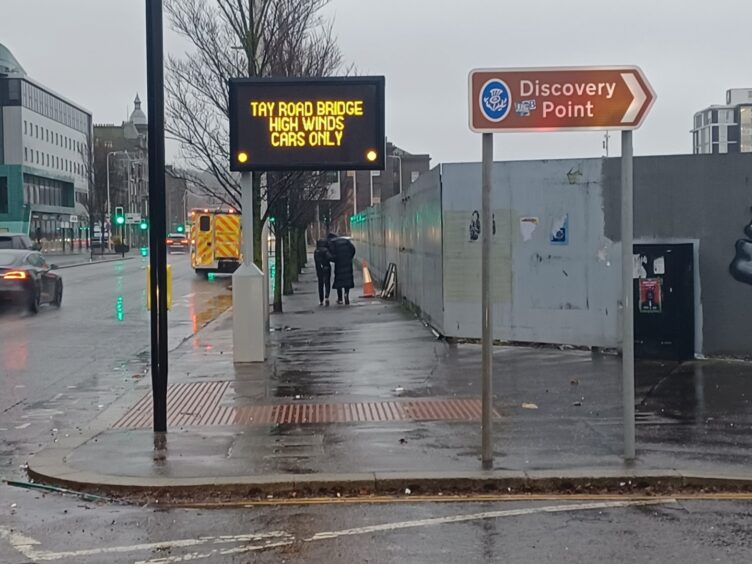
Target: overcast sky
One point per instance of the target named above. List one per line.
(92, 51)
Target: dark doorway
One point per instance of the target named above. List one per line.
(664, 301)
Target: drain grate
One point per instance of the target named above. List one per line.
(199, 404)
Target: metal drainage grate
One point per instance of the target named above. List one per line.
(198, 404)
(360, 412)
(193, 404)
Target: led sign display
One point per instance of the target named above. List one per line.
(307, 124)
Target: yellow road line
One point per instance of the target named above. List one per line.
(465, 498)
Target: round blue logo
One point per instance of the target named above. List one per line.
(495, 100)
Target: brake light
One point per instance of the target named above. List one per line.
(169, 241)
(15, 275)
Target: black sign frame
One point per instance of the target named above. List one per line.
(376, 141)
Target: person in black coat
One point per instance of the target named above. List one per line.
(343, 252)
(323, 259)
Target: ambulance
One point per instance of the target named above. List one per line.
(215, 240)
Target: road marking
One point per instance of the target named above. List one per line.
(484, 515)
(22, 426)
(27, 546)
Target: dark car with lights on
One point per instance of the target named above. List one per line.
(26, 279)
(177, 243)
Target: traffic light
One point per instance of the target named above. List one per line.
(180, 229)
(119, 215)
(144, 225)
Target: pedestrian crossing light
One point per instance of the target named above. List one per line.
(119, 215)
(143, 225)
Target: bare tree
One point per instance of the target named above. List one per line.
(94, 159)
(235, 39)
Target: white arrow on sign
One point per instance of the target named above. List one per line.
(639, 97)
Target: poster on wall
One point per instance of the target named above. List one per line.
(651, 299)
(527, 227)
(560, 230)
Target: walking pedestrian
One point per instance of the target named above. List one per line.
(342, 251)
(323, 259)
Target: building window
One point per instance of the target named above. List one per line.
(36, 131)
(25, 123)
(26, 154)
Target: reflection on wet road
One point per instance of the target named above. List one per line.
(61, 367)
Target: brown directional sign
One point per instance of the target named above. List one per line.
(558, 99)
(307, 123)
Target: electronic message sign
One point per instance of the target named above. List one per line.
(307, 124)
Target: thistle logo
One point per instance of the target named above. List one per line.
(495, 100)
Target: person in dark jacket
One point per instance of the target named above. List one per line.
(323, 259)
(342, 251)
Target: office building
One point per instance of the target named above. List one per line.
(725, 128)
(45, 143)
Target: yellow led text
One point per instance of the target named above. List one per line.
(319, 123)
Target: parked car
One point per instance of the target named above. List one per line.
(18, 241)
(177, 243)
(27, 279)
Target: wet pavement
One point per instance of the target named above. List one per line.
(370, 354)
(560, 410)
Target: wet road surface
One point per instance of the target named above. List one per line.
(59, 369)
(552, 531)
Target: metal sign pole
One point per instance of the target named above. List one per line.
(486, 306)
(627, 266)
(158, 221)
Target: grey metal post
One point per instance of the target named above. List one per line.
(246, 201)
(627, 267)
(486, 307)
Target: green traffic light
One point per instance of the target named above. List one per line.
(144, 251)
(120, 220)
(144, 226)
(180, 229)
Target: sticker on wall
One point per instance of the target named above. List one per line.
(650, 295)
(659, 266)
(474, 225)
(560, 230)
(527, 227)
(638, 270)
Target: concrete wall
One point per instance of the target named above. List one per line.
(705, 199)
(543, 290)
(407, 231)
(554, 291)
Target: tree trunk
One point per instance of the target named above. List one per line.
(303, 247)
(292, 251)
(289, 267)
(278, 273)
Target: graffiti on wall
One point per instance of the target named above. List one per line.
(741, 266)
